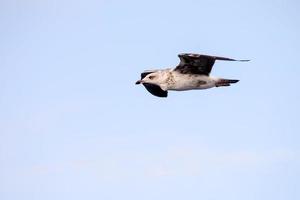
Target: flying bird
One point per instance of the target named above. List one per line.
(192, 73)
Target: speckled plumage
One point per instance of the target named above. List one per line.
(193, 72)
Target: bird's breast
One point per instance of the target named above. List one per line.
(190, 82)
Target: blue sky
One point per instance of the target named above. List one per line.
(74, 126)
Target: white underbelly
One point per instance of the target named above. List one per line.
(192, 83)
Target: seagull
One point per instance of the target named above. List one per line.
(192, 73)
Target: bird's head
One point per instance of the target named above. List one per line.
(156, 78)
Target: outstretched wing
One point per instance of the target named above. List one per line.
(198, 63)
(155, 90)
(145, 73)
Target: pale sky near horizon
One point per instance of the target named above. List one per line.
(73, 125)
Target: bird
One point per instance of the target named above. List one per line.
(192, 73)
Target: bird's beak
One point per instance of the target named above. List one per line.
(139, 82)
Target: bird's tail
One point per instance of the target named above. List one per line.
(225, 82)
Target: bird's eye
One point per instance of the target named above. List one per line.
(151, 77)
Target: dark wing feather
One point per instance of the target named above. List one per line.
(145, 73)
(155, 90)
(198, 63)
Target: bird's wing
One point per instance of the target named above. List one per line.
(145, 73)
(155, 90)
(198, 63)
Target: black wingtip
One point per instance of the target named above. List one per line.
(233, 81)
(243, 60)
(155, 90)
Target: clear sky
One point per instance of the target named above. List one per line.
(74, 126)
